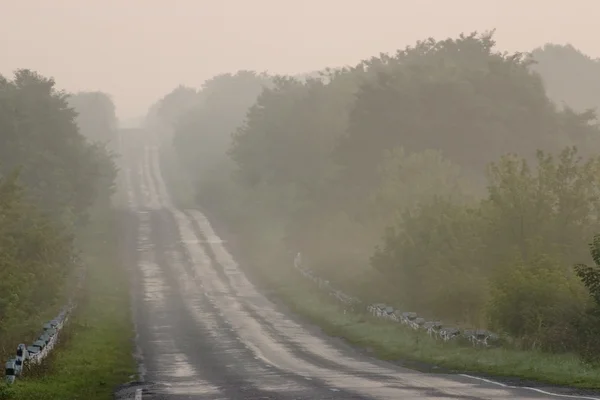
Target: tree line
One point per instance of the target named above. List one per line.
(55, 167)
(448, 178)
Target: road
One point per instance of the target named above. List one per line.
(203, 331)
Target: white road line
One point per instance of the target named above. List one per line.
(566, 396)
(138, 394)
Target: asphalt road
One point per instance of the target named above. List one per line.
(205, 332)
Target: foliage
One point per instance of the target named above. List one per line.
(588, 323)
(570, 76)
(434, 257)
(411, 178)
(536, 302)
(202, 135)
(590, 275)
(460, 96)
(39, 134)
(555, 207)
(175, 104)
(96, 116)
(35, 256)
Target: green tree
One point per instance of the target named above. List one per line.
(460, 96)
(407, 179)
(588, 324)
(590, 275)
(289, 134)
(434, 255)
(537, 302)
(60, 169)
(551, 208)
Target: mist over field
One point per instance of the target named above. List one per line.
(440, 158)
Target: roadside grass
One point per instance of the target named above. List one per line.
(95, 355)
(384, 339)
(393, 342)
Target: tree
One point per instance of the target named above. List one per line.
(570, 76)
(434, 257)
(203, 133)
(590, 275)
(96, 116)
(175, 104)
(60, 169)
(536, 301)
(551, 208)
(588, 324)
(289, 134)
(459, 96)
(571, 79)
(408, 179)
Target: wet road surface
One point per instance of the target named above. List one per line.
(205, 332)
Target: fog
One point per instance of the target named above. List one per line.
(441, 158)
(139, 49)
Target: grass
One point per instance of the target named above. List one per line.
(95, 354)
(394, 342)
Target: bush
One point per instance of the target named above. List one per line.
(588, 323)
(536, 302)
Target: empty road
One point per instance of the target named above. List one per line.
(205, 332)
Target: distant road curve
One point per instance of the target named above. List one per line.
(203, 331)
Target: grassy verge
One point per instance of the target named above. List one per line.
(96, 351)
(393, 342)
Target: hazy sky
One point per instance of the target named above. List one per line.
(138, 50)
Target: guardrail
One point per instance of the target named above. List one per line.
(436, 329)
(34, 354)
(27, 357)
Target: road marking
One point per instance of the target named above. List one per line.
(196, 241)
(567, 396)
(138, 394)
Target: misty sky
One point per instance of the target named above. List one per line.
(138, 50)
